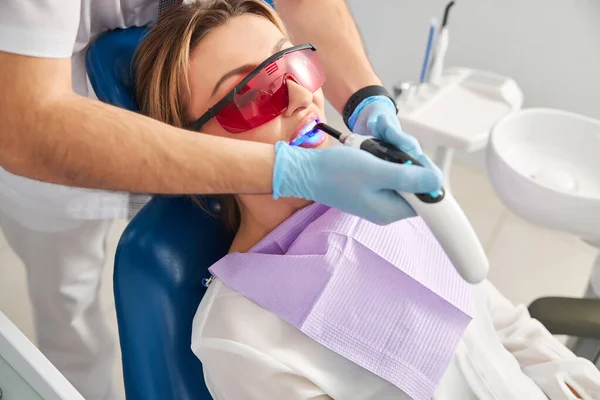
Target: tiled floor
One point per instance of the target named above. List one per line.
(526, 262)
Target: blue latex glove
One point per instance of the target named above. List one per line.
(376, 116)
(350, 180)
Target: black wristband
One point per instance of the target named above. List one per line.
(359, 96)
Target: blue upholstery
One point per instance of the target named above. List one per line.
(161, 260)
(108, 64)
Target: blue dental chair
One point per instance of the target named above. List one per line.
(161, 261)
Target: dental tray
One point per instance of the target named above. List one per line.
(460, 112)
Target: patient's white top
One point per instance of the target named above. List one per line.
(249, 353)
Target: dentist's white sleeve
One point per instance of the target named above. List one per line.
(549, 363)
(39, 28)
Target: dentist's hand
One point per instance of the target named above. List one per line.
(376, 116)
(351, 180)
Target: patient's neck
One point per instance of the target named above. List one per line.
(260, 214)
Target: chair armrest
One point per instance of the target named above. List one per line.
(568, 316)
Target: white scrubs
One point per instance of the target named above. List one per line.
(249, 353)
(60, 232)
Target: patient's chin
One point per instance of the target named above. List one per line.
(294, 203)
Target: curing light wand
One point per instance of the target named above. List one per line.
(439, 209)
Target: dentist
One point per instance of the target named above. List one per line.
(56, 138)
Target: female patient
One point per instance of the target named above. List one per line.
(186, 72)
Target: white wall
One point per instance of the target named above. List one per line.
(550, 47)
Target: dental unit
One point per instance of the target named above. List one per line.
(439, 210)
(441, 48)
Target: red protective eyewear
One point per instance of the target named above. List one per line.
(263, 94)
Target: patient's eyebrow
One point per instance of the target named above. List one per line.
(244, 69)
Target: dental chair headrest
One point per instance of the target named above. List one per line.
(113, 81)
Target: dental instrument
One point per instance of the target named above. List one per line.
(441, 47)
(425, 66)
(439, 210)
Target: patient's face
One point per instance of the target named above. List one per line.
(246, 40)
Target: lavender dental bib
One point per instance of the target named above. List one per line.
(385, 297)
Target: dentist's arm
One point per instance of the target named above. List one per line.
(329, 25)
(49, 133)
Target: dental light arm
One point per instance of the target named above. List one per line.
(439, 210)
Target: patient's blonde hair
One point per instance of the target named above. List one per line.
(161, 63)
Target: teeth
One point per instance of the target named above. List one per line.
(307, 129)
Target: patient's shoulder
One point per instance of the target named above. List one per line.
(229, 325)
(234, 324)
(224, 313)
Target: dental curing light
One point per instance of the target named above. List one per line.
(439, 210)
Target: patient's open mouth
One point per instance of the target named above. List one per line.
(308, 137)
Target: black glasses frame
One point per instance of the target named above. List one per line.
(214, 110)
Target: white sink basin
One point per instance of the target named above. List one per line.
(545, 166)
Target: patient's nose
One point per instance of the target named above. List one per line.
(299, 98)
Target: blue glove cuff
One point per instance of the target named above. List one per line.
(369, 100)
(279, 167)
